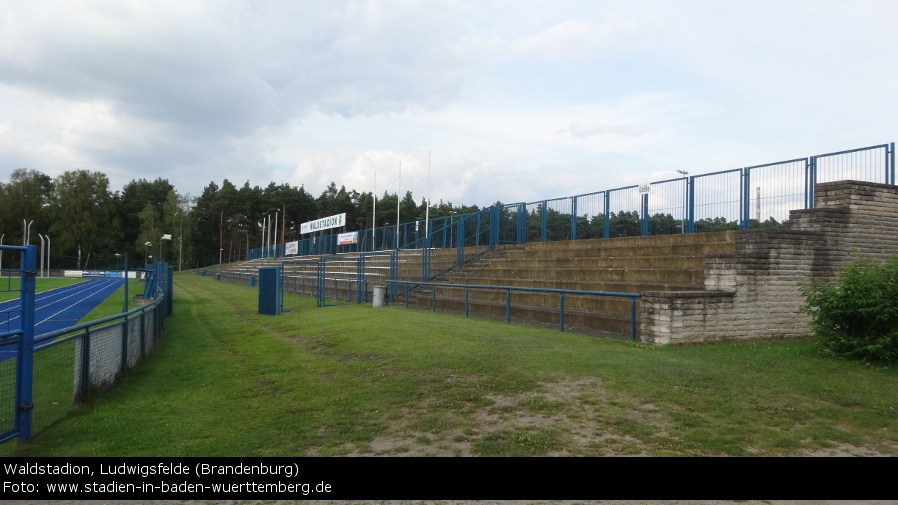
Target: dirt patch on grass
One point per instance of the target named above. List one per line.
(562, 418)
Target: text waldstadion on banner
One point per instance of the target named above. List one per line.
(325, 223)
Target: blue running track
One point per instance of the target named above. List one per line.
(58, 308)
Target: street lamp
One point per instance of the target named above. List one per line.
(163, 237)
(159, 283)
(220, 253)
(685, 197)
(146, 245)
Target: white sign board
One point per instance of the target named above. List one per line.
(291, 248)
(644, 188)
(348, 238)
(324, 223)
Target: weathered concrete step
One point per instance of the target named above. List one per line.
(713, 239)
(594, 303)
(633, 275)
(661, 262)
(580, 285)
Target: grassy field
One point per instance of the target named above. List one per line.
(355, 380)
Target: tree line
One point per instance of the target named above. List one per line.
(88, 225)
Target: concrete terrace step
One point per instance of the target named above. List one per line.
(585, 275)
(592, 303)
(578, 285)
(669, 262)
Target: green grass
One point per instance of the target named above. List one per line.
(391, 381)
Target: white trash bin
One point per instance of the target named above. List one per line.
(379, 292)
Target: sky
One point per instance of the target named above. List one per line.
(469, 102)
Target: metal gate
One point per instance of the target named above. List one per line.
(335, 280)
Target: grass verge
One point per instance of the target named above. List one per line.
(355, 380)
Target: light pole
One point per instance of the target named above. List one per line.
(26, 232)
(146, 246)
(48, 254)
(159, 283)
(1, 252)
(685, 197)
(40, 268)
(220, 253)
(165, 236)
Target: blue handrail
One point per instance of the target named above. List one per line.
(509, 289)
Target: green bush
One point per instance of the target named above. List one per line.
(857, 315)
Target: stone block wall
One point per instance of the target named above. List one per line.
(756, 291)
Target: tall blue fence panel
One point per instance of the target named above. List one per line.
(589, 210)
(507, 218)
(772, 190)
(869, 164)
(668, 203)
(623, 216)
(715, 201)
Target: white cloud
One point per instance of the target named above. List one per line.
(515, 100)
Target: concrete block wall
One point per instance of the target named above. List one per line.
(756, 291)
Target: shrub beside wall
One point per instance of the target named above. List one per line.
(857, 314)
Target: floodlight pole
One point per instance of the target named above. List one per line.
(164, 236)
(40, 267)
(48, 254)
(427, 207)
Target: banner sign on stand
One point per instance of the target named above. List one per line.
(350, 238)
(325, 223)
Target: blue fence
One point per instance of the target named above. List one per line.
(757, 196)
(43, 376)
(406, 287)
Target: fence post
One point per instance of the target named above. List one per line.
(460, 242)
(644, 211)
(125, 345)
(690, 204)
(394, 272)
(494, 226)
(25, 361)
(85, 365)
(545, 222)
(561, 311)
(892, 159)
(143, 332)
(573, 218)
(745, 219)
(810, 178)
(522, 223)
(606, 219)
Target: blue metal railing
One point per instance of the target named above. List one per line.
(54, 370)
(741, 198)
(407, 285)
